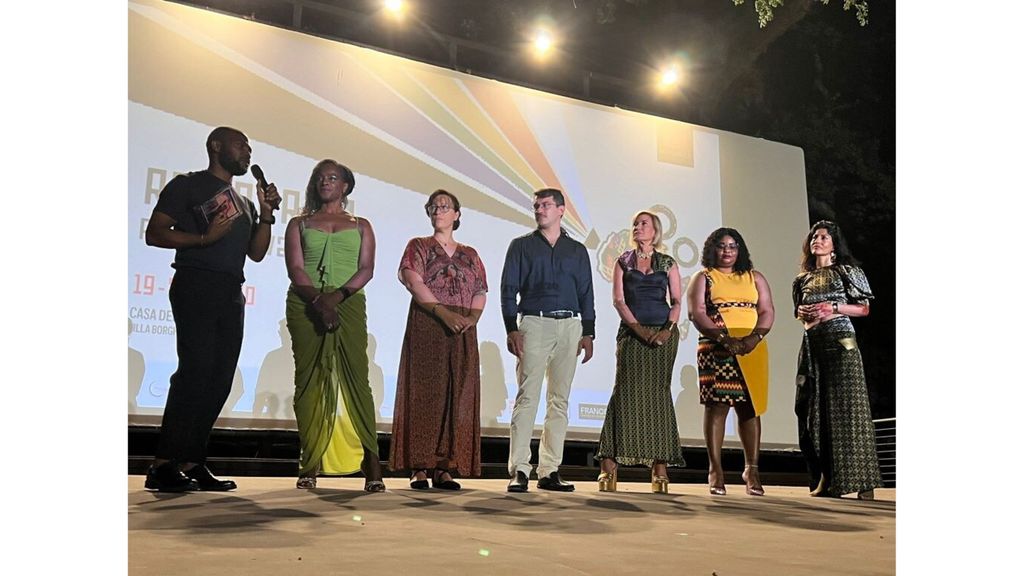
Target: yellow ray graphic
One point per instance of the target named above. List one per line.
(173, 73)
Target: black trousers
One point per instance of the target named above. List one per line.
(209, 313)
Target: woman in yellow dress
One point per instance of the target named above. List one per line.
(730, 303)
(329, 254)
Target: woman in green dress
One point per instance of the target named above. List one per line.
(329, 254)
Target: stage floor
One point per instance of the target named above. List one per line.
(268, 527)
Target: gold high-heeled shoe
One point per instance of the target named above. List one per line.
(751, 491)
(608, 481)
(659, 484)
(715, 490)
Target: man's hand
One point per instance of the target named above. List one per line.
(515, 344)
(268, 199)
(219, 228)
(587, 346)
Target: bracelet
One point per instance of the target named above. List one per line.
(759, 336)
(434, 307)
(668, 325)
(835, 307)
(346, 292)
(315, 298)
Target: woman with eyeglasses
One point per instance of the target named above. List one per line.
(436, 430)
(836, 434)
(640, 420)
(731, 306)
(329, 254)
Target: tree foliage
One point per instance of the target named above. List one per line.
(765, 9)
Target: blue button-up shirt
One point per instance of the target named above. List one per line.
(547, 278)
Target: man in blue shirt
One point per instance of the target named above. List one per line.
(550, 274)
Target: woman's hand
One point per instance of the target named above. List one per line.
(646, 335)
(454, 322)
(330, 318)
(807, 312)
(661, 337)
(747, 344)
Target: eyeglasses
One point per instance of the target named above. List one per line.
(544, 205)
(724, 247)
(442, 209)
(329, 178)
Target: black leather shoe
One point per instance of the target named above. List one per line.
(167, 478)
(207, 481)
(555, 482)
(519, 483)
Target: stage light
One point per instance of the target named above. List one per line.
(542, 43)
(669, 77)
(395, 7)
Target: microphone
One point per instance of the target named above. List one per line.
(260, 177)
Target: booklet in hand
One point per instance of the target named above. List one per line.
(223, 202)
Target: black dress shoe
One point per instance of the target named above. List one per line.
(519, 483)
(555, 482)
(207, 481)
(167, 478)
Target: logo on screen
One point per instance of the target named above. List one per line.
(592, 411)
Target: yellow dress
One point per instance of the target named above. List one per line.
(733, 297)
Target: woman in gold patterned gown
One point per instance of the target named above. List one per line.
(837, 436)
(329, 254)
(731, 305)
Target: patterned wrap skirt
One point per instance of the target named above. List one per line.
(640, 420)
(836, 434)
(437, 400)
(737, 381)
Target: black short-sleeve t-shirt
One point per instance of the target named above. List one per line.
(179, 200)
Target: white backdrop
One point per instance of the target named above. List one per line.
(405, 129)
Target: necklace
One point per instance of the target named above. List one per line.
(644, 255)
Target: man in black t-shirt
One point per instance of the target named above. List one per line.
(212, 229)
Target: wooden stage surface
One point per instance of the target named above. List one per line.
(268, 527)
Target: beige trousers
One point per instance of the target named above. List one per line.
(549, 347)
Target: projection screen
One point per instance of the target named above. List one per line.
(406, 129)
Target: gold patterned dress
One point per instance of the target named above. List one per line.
(837, 436)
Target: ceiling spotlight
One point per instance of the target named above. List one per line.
(542, 42)
(669, 77)
(395, 7)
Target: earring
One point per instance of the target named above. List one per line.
(833, 257)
